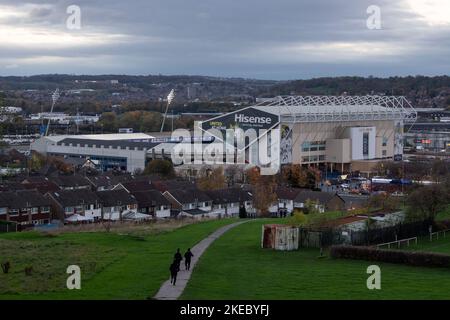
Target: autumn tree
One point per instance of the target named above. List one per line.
(211, 179)
(108, 121)
(36, 162)
(59, 164)
(264, 188)
(426, 202)
(300, 177)
(160, 167)
(382, 201)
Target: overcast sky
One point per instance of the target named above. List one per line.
(265, 39)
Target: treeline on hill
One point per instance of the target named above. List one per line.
(65, 81)
(420, 90)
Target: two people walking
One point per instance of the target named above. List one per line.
(175, 266)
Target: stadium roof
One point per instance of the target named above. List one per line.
(339, 108)
(104, 137)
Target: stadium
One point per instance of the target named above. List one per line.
(337, 133)
(343, 133)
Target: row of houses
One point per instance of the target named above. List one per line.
(38, 200)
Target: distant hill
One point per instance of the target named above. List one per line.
(33, 91)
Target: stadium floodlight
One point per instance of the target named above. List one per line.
(55, 97)
(170, 98)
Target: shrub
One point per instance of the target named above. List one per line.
(5, 267)
(28, 270)
(297, 219)
(424, 259)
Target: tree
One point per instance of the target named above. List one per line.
(36, 162)
(439, 170)
(108, 121)
(160, 167)
(232, 174)
(300, 177)
(263, 190)
(426, 202)
(384, 202)
(211, 179)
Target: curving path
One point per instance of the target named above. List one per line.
(171, 292)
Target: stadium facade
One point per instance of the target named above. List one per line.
(344, 133)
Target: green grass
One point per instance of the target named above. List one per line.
(235, 267)
(444, 215)
(113, 265)
(424, 244)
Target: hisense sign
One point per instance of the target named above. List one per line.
(248, 118)
(242, 118)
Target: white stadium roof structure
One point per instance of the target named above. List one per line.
(294, 109)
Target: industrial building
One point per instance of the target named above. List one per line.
(127, 152)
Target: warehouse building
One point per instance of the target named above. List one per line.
(127, 151)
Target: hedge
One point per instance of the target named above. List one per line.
(412, 258)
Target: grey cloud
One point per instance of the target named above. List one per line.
(237, 38)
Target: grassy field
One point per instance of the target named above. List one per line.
(424, 244)
(444, 215)
(114, 265)
(235, 267)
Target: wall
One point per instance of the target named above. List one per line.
(335, 130)
(135, 158)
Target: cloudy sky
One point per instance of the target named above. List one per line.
(265, 39)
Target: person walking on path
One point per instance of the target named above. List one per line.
(187, 259)
(174, 268)
(177, 258)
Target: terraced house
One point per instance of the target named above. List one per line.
(24, 207)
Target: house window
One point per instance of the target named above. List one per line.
(384, 142)
(34, 210)
(384, 153)
(3, 210)
(45, 209)
(13, 212)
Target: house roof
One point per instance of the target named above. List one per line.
(70, 181)
(43, 188)
(23, 199)
(194, 212)
(164, 185)
(11, 186)
(112, 198)
(319, 196)
(286, 193)
(68, 198)
(150, 198)
(35, 179)
(108, 180)
(138, 185)
(232, 195)
(189, 196)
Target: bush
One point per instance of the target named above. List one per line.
(297, 219)
(423, 259)
(5, 267)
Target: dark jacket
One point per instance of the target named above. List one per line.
(188, 255)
